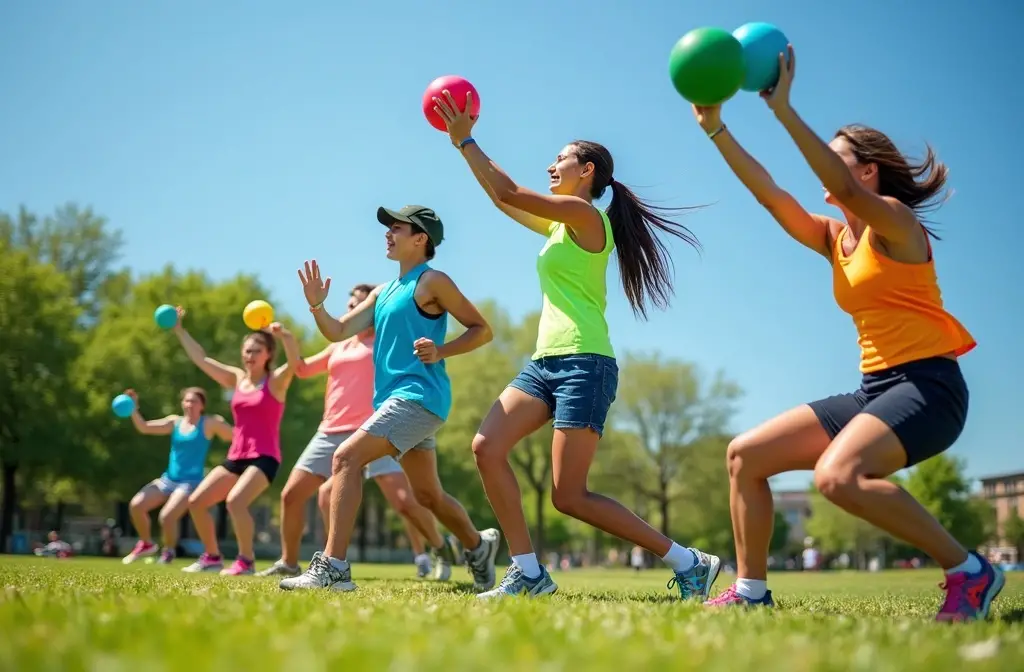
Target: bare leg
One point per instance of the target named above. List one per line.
(419, 521)
(572, 453)
(347, 486)
(300, 487)
(514, 416)
(851, 474)
(144, 501)
(250, 485)
(213, 490)
(323, 500)
(789, 442)
(421, 468)
(170, 514)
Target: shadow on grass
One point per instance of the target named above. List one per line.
(1012, 616)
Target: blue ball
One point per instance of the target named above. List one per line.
(762, 43)
(123, 405)
(166, 316)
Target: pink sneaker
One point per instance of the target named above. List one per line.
(205, 563)
(730, 598)
(141, 550)
(242, 566)
(969, 596)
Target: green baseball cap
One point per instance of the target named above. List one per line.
(422, 218)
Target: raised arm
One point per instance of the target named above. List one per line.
(222, 374)
(284, 374)
(888, 217)
(532, 222)
(217, 426)
(449, 298)
(812, 231)
(574, 212)
(161, 427)
(316, 288)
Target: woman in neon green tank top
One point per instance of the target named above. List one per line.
(572, 377)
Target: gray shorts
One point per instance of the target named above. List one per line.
(167, 487)
(405, 424)
(318, 456)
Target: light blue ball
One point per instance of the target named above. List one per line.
(762, 43)
(123, 405)
(166, 316)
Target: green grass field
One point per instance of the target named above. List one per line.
(86, 614)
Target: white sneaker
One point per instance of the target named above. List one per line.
(481, 560)
(515, 583)
(321, 574)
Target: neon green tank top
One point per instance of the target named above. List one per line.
(572, 319)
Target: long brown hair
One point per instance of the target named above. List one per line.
(268, 342)
(921, 186)
(644, 262)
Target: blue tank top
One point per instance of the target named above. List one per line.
(188, 453)
(398, 372)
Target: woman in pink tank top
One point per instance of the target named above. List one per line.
(255, 453)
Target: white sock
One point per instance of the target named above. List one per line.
(528, 563)
(971, 565)
(752, 589)
(340, 565)
(680, 559)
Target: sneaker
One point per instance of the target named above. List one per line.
(696, 582)
(205, 563)
(423, 565)
(166, 557)
(445, 558)
(321, 574)
(969, 596)
(730, 598)
(141, 550)
(279, 568)
(481, 560)
(242, 566)
(515, 583)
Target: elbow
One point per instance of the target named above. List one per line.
(486, 334)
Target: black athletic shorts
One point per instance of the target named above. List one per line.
(264, 463)
(924, 403)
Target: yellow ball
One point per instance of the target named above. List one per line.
(258, 315)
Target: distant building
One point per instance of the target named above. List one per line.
(1006, 492)
(795, 507)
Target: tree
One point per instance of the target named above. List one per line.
(836, 531)
(38, 315)
(663, 402)
(940, 486)
(78, 243)
(1013, 533)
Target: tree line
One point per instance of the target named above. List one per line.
(76, 328)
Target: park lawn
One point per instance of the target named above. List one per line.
(91, 614)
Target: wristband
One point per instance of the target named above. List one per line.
(715, 132)
(467, 141)
(317, 308)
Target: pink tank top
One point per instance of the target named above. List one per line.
(257, 416)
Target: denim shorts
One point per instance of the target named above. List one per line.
(579, 389)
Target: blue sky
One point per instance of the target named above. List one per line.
(235, 136)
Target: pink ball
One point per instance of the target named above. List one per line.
(458, 87)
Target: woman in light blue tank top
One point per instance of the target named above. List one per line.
(412, 393)
(190, 433)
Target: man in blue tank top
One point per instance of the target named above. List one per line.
(412, 393)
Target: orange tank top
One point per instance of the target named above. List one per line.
(896, 307)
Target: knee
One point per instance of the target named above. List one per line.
(168, 517)
(568, 500)
(428, 497)
(136, 503)
(838, 486)
(739, 457)
(196, 503)
(344, 461)
(486, 450)
(236, 505)
(290, 497)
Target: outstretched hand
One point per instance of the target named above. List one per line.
(709, 117)
(777, 97)
(459, 123)
(313, 285)
(181, 317)
(277, 329)
(131, 393)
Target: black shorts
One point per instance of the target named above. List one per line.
(924, 403)
(264, 463)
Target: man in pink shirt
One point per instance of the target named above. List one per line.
(347, 404)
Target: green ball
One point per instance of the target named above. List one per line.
(706, 66)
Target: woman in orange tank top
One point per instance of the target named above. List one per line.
(912, 402)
